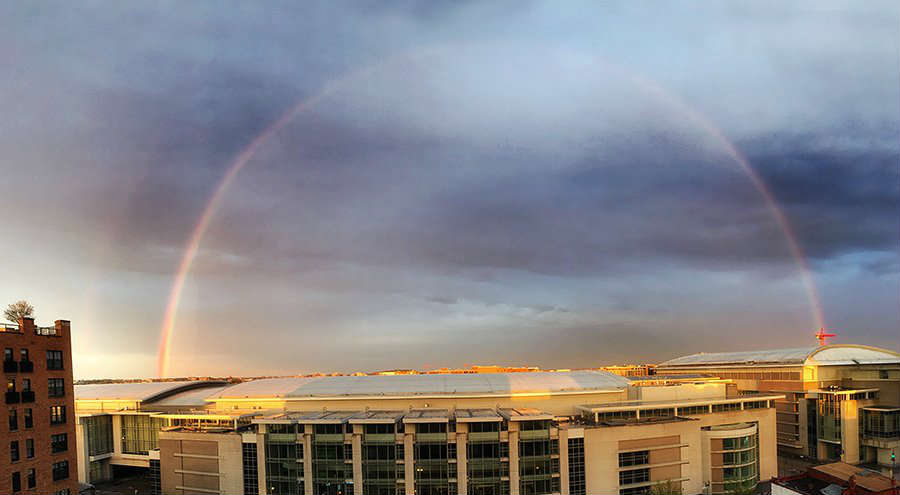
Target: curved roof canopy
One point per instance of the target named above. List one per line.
(835, 354)
(499, 384)
(138, 392)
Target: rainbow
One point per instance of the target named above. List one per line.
(244, 157)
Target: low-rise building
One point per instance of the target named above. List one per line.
(117, 423)
(579, 432)
(837, 478)
(842, 402)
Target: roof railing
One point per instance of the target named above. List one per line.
(45, 330)
(10, 327)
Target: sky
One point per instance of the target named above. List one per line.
(516, 182)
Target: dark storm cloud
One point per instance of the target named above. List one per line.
(478, 172)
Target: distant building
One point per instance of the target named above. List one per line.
(581, 432)
(38, 442)
(842, 401)
(631, 369)
(836, 479)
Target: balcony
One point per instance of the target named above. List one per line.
(27, 396)
(26, 366)
(12, 397)
(484, 436)
(431, 437)
(10, 367)
(379, 438)
(534, 434)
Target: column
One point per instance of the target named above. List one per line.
(462, 471)
(409, 459)
(563, 461)
(356, 445)
(513, 459)
(307, 459)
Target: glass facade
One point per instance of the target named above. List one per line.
(284, 460)
(576, 467)
(140, 434)
(740, 464)
(155, 482)
(332, 474)
(432, 469)
(829, 417)
(485, 464)
(250, 467)
(99, 434)
(535, 450)
(379, 459)
(884, 424)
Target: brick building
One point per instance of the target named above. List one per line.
(37, 442)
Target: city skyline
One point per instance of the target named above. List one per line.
(563, 186)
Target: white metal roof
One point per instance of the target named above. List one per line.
(189, 398)
(501, 384)
(835, 354)
(141, 391)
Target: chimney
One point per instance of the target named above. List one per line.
(62, 327)
(26, 324)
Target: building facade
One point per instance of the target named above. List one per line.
(116, 424)
(842, 402)
(38, 440)
(577, 433)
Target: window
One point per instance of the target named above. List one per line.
(26, 384)
(23, 354)
(59, 443)
(634, 476)
(29, 448)
(11, 385)
(431, 428)
(31, 478)
(140, 434)
(16, 482)
(29, 418)
(56, 387)
(54, 360)
(14, 451)
(251, 473)
(634, 458)
(576, 467)
(58, 415)
(8, 354)
(13, 420)
(60, 470)
(99, 434)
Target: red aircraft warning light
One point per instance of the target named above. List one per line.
(821, 336)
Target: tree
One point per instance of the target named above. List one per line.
(18, 310)
(667, 487)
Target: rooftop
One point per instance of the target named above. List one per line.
(835, 354)
(657, 404)
(140, 391)
(497, 384)
(834, 477)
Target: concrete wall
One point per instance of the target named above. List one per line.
(679, 392)
(602, 446)
(209, 462)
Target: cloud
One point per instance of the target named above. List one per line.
(478, 174)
